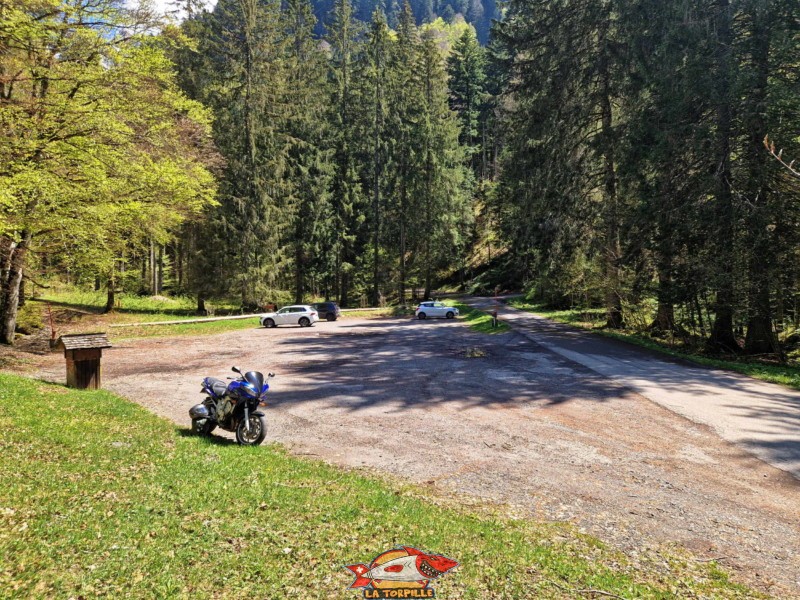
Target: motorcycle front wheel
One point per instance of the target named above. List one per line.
(257, 433)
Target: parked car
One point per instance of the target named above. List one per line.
(435, 309)
(327, 310)
(299, 314)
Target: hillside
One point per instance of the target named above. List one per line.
(476, 12)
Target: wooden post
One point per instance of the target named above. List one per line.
(83, 369)
(83, 353)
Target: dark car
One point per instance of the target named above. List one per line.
(327, 310)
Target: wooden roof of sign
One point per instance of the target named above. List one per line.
(83, 341)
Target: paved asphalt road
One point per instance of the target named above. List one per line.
(760, 417)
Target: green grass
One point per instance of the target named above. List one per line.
(205, 328)
(389, 311)
(99, 498)
(138, 309)
(594, 320)
(211, 327)
(132, 307)
(479, 320)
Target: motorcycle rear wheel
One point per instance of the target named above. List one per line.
(257, 433)
(204, 429)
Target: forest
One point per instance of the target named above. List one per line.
(635, 156)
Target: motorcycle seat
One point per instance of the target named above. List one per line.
(218, 386)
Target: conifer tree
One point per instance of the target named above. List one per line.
(376, 70)
(346, 191)
(245, 80)
(405, 100)
(441, 184)
(309, 166)
(466, 72)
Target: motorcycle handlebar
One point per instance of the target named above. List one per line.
(269, 376)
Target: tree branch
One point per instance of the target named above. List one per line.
(770, 146)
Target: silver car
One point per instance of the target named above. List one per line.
(429, 309)
(298, 314)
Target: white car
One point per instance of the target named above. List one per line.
(299, 314)
(435, 309)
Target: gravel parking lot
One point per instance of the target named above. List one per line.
(496, 417)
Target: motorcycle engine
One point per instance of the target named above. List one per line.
(224, 409)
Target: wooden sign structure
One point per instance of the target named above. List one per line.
(83, 352)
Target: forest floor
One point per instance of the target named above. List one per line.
(499, 417)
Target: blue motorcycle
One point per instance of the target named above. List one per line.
(233, 407)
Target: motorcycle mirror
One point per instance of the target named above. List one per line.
(272, 375)
(236, 370)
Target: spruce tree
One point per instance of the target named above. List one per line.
(346, 191)
(466, 73)
(440, 187)
(309, 166)
(376, 71)
(406, 100)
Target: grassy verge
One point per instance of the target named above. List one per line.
(389, 311)
(205, 328)
(144, 511)
(593, 319)
(83, 310)
(211, 327)
(131, 307)
(479, 320)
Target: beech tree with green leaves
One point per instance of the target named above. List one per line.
(94, 126)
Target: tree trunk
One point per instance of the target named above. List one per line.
(760, 338)
(428, 289)
(722, 337)
(6, 250)
(110, 299)
(376, 184)
(343, 299)
(179, 263)
(664, 321)
(403, 200)
(160, 278)
(152, 269)
(8, 317)
(299, 266)
(613, 249)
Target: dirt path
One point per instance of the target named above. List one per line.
(519, 424)
(763, 418)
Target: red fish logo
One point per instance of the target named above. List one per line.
(402, 572)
